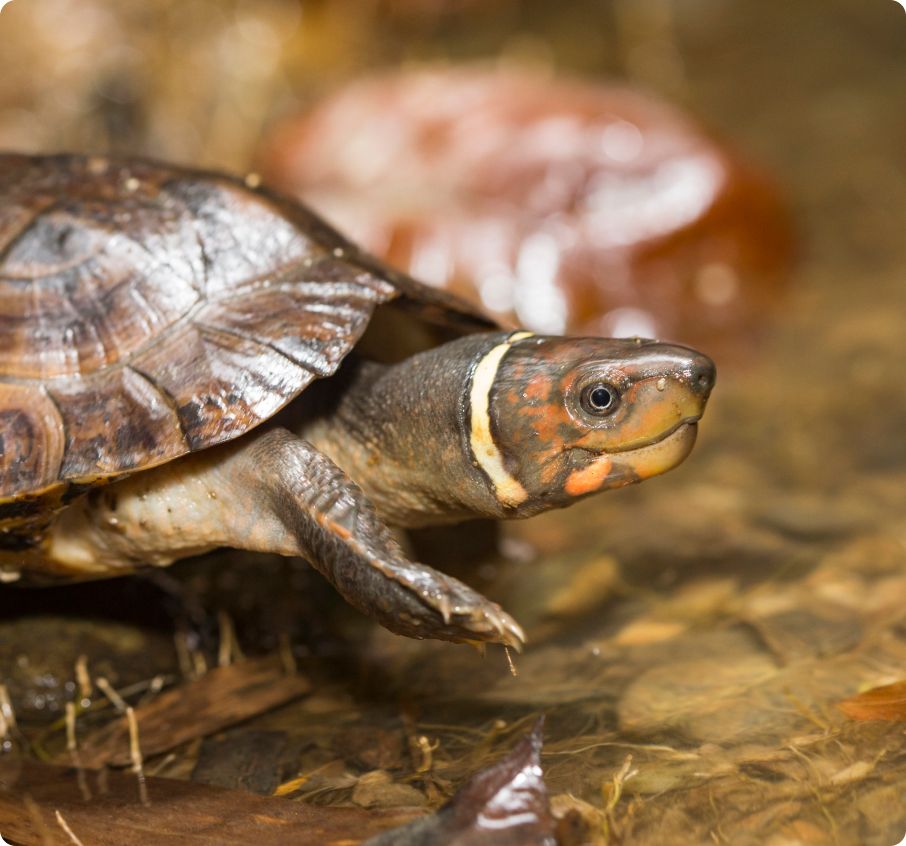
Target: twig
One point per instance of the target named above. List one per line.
(427, 749)
(108, 690)
(69, 832)
(229, 650)
(83, 678)
(227, 635)
(510, 663)
(135, 752)
(615, 788)
(611, 793)
(7, 714)
(199, 663)
(72, 748)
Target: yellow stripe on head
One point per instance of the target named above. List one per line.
(507, 489)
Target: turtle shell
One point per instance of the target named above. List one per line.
(148, 311)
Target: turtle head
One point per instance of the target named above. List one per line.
(555, 419)
(509, 425)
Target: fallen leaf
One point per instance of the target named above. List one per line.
(503, 805)
(880, 703)
(105, 809)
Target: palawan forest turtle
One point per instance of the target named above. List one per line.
(176, 375)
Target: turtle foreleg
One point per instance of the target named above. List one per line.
(272, 492)
(338, 531)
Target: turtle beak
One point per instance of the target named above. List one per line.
(669, 389)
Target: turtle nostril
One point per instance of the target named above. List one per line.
(703, 374)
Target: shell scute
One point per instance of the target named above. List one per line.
(115, 423)
(313, 321)
(85, 285)
(220, 383)
(241, 236)
(32, 439)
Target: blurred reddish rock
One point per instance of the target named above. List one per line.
(558, 205)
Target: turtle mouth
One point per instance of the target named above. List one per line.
(599, 470)
(658, 456)
(661, 438)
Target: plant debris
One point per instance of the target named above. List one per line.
(33, 797)
(198, 708)
(503, 805)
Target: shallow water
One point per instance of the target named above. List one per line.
(706, 623)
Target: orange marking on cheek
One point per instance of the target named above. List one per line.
(589, 478)
(537, 390)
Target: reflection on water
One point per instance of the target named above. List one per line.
(560, 205)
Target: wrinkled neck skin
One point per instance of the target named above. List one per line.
(401, 433)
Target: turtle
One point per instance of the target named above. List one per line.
(189, 360)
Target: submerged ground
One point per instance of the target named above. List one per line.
(705, 624)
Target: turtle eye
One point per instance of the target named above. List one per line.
(600, 399)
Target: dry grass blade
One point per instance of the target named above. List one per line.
(7, 714)
(222, 697)
(69, 832)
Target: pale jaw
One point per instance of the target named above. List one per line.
(654, 459)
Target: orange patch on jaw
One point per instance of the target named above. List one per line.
(587, 479)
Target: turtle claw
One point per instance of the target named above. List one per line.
(468, 616)
(513, 635)
(489, 622)
(427, 603)
(445, 608)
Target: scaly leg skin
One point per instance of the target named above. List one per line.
(271, 492)
(339, 532)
